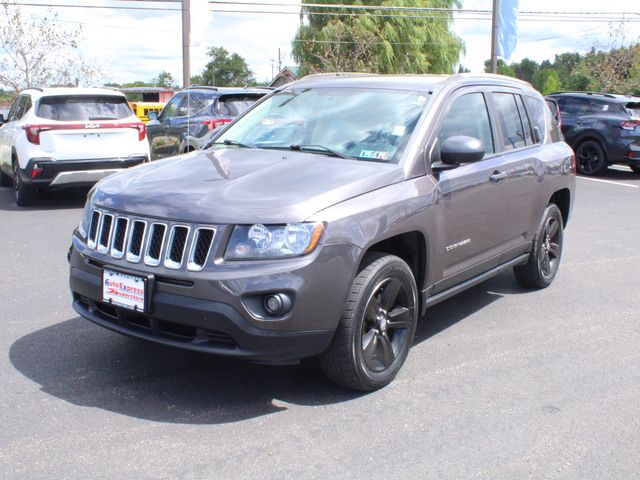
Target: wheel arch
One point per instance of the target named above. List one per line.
(562, 199)
(410, 247)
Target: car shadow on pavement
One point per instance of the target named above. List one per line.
(88, 366)
(49, 200)
(451, 311)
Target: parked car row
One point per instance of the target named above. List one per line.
(60, 137)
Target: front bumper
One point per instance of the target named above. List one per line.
(199, 312)
(45, 172)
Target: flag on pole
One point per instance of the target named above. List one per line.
(507, 28)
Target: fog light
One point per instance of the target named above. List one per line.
(276, 304)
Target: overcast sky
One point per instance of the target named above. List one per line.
(137, 45)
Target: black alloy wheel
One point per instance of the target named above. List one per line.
(591, 158)
(377, 328)
(386, 325)
(544, 260)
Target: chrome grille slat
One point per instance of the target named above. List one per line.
(104, 235)
(200, 247)
(155, 243)
(136, 241)
(119, 237)
(176, 246)
(93, 229)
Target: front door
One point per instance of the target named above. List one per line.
(472, 206)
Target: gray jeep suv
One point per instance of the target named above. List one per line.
(325, 219)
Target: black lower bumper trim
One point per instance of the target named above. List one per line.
(195, 324)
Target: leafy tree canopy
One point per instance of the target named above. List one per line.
(225, 70)
(380, 41)
(39, 52)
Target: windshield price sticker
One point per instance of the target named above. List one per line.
(123, 290)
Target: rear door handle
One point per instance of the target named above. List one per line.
(497, 176)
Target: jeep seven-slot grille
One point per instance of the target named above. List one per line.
(153, 243)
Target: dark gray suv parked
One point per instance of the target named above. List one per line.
(324, 220)
(602, 128)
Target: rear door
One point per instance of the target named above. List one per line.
(520, 167)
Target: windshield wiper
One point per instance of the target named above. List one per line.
(319, 149)
(230, 142)
(103, 117)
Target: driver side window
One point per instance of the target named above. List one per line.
(467, 116)
(171, 109)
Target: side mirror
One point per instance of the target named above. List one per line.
(152, 115)
(2, 119)
(461, 149)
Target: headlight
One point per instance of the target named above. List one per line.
(273, 241)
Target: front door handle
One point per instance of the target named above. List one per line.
(497, 176)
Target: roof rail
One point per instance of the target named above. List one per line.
(337, 74)
(39, 89)
(206, 87)
(608, 95)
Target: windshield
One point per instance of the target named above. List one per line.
(365, 124)
(84, 107)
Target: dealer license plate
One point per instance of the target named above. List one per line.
(124, 290)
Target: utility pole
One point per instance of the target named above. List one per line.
(494, 37)
(186, 43)
(279, 61)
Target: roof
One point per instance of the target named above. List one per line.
(53, 91)
(613, 97)
(144, 89)
(408, 82)
(226, 90)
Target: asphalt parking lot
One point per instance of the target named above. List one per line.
(501, 383)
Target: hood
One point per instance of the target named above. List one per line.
(238, 185)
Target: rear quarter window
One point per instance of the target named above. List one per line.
(634, 109)
(234, 105)
(82, 108)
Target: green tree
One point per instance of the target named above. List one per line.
(503, 68)
(39, 52)
(164, 79)
(526, 69)
(546, 80)
(378, 41)
(226, 69)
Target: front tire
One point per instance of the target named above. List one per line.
(544, 260)
(591, 158)
(377, 328)
(24, 194)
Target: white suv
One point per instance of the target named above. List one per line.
(57, 137)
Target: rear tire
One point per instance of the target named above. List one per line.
(5, 180)
(24, 194)
(377, 328)
(544, 260)
(591, 158)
